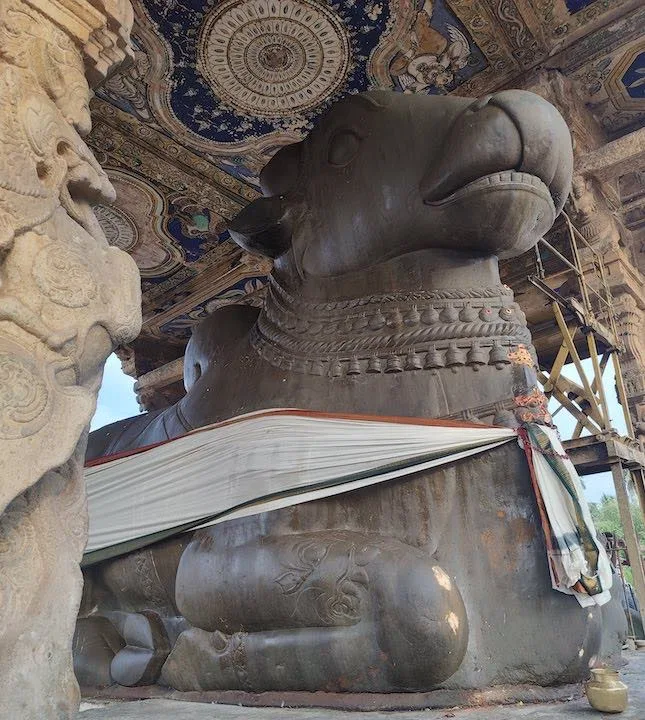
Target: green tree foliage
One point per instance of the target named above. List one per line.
(607, 518)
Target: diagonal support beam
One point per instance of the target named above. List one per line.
(568, 340)
(558, 363)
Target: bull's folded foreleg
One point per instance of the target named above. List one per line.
(331, 610)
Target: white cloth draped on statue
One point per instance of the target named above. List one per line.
(262, 461)
(578, 563)
(272, 459)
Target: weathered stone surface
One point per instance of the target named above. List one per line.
(288, 708)
(161, 387)
(385, 299)
(616, 158)
(66, 299)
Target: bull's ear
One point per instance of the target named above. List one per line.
(263, 227)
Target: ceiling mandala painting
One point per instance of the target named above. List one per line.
(271, 60)
(218, 86)
(247, 75)
(235, 79)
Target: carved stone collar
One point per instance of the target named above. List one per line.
(393, 332)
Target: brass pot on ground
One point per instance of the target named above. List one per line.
(605, 692)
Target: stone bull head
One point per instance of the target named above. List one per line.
(486, 176)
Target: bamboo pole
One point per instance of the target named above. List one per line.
(558, 364)
(574, 356)
(631, 538)
(566, 386)
(622, 395)
(593, 352)
(577, 413)
(638, 477)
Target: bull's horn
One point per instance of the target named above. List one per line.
(263, 227)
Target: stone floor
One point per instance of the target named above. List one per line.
(633, 674)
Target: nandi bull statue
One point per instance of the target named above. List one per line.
(385, 225)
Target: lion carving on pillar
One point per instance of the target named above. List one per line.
(385, 226)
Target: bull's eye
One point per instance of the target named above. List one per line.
(343, 147)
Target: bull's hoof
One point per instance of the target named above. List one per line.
(146, 650)
(96, 641)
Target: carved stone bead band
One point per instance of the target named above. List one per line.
(390, 333)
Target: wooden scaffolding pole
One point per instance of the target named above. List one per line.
(638, 476)
(588, 402)
(573, 352)
(631, 538)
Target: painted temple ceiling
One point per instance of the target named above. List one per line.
(217, 86)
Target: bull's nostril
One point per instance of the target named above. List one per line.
(480, 103)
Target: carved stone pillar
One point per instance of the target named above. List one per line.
(162, 387)
(592, 215)
(631, 320)
(66, 298)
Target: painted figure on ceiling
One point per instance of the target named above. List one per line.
(430, 60)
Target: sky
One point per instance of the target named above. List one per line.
(116, 396)
(117, 400)
(601, 484)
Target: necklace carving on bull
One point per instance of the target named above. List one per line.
(393, 332)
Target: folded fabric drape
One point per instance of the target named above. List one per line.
(272, 459)
(577, 561)
(257, 462)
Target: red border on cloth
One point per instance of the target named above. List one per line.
(527, 446)
(294, 412)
